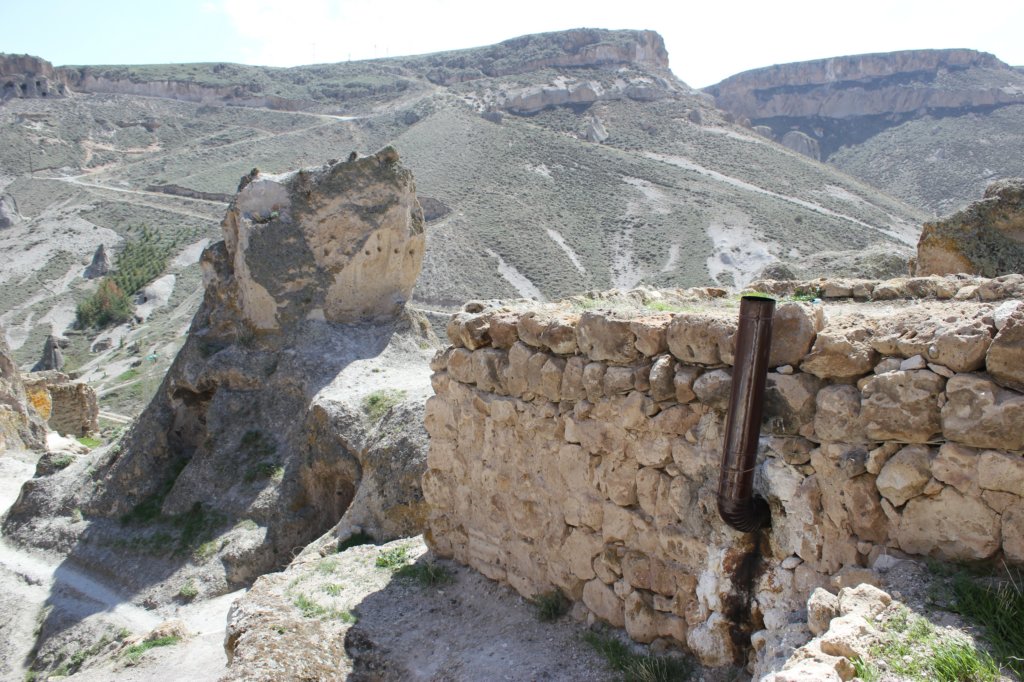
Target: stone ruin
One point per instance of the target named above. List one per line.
(576, 446)
(69, 407)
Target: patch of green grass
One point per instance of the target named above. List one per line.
(998, 607)
(428, 574)
(334, 589)
(665, 307)
(207, 550)
(393, 558)
(327, 566)
(638, 667)
(129, 375)
(62, 461)
(378, 403)
(132, 654)
(188, 590)
(550, 605)
(311, 609)
(912, 648)
(89, 441)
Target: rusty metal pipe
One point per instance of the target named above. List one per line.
(736, 502)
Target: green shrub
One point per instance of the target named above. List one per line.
(108, 305)
(638, 667)
(188, 590)
(392, 558)
(378, 403)
(89, 441)
(550, 605)
(428, 574)
(998, 607)
(132, 654)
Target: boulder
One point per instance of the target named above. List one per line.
(982, 414)
(986, 238)
(949, 526)
(905, 475)
(902, 406)
(841, 352)
(1005, 359)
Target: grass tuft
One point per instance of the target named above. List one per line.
(428, 574)
(132, 654)
(379, 403)
(998, 607)
(550, 605)
(393, 558)
(638, 667)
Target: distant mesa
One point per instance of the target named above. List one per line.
(844, 100)
(23, 76)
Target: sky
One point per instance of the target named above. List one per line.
(706, 41)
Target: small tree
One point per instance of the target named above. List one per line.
(109, 305)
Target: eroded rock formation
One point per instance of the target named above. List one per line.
(20, 426)
(69, 407)
(843, 100)
(578, 448)
(294, 396)
(22, 75)
(985, 238)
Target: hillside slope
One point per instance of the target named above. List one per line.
(932, 127)
(548, 165)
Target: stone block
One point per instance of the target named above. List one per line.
(902, 406)
(906, 474)
(949, 526)
(650, 334)
(794, 328)
(841, 353)
(837, 415)
(982, 414)
(701, 339)
(606, 339)
(1001, 471)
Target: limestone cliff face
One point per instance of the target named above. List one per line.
(23, 75)
(840, 99)
(264, 415)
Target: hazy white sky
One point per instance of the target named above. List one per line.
(706, 40)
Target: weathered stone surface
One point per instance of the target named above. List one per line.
(712, 388)
(905, 475)
(683, 381)
(70, 408)
(1001, 471)
(605, 339)
(641, 619)
(469, 330)
(902, 406)
(848, 636)
(949, 526)
(604, 603)
(1013, 533)
(1005, 360)
(865, 515)
(789, 403)
(503, 329)
(822, 607)
(960, 345)
(701, 339)
(100, 264)
(837, 414)
(982, 414)
(651, 334)
(841, 353)
(20, 424)
(986, 238)
(864, 600)
(957, 465)
(794, 329)
(662, 378)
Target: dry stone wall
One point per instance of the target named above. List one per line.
(576, 446)
(70, 408)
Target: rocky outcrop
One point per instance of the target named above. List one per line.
(843, 100)
(577, 48)
(20, 425)
(23, 76)
(578, 449)
(986, 238)
(293, 403)
(52, 357)
(100, 264)
(8, 212)
(70, 408)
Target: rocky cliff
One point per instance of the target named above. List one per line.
(576, 446)
(293, 402)
(24, 76)
(844, 100)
